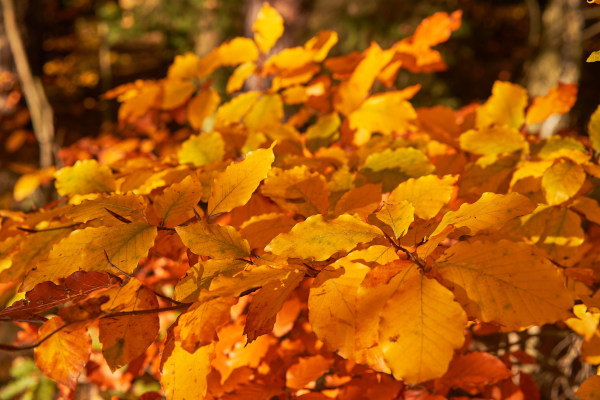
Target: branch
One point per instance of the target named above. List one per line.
(405, 251)
(41, 112)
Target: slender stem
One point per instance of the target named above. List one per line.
(405, 251)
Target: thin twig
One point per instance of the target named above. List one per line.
(117, 216)
(32, 230)
(405, 251)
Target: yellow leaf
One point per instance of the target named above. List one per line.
(323, 132)
(203, 149)
(298, 190)
(234, 186)
(491, 211)
(331, 305)
(318, 239)
(251, 278)
(421, 326)
(84, 249)
(197, 326)
(63, 355)
(377, 254)
(233, 111)
(86, 176)
(237, 51)
(184, 374)
(594, 129)
(176, 204)
(397, 216)
(351, 93)
(184, 66)
(558, 100)
(267, 111)
(428, 194)
(202, 106)
(307, 370)
(506, 106)
(557, 230)
(562, 181)
(267, 302)
(216, 241)
(590, 388)
(588, 207)
(493, 140)
(176, 93)
(522, 287)
(127, 337)
(267, 28)
(594, 56)
(391, 167)
(298, 76)
(28, 183)
(129, 206)
(321, 44)
(28, 251)
(362, 200)
(260, 230)
(385, 113)
(239, 76)
(200, 276)
(288, 59)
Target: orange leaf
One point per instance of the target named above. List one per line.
(64, 354)
(237, 51)
(202, 106)
(239, 76)
(176, 93)
(362, 200)
(260, 230)
(506, 106)
(589, 389)
(472, 372)
(184, 67)
(184, 374)
(383, 112)
(216, 241)
(558, 100)
(306, 370)
(127, 337)
(428, 194)
(176, 204)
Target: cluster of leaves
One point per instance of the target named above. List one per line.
(313, 239)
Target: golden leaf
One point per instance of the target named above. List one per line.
(260, 229)
(362, 200)
(239, 76)
(184, 66)
(506, 106)
(594, 129)
(491, 211)
(216, 241)
(176, 93)
(234, 186)
(63, 355)
(234, 110)
(267, 28)
(514, 296)
(202, 106)
(397, 216)
(203, 149)
(266, 112)
(385, 113)
(562, 181)
(184, 374)
(129, 206)
(237, 51)
(176, 204)
(84, 249)
(323, 132)
(590, 388)
(318, 239)
(428, 194)
(558, 100)
(298, 190)
(85, 176)
(126, 337)
(493, 140)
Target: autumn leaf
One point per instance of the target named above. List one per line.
(84, 177)
(128, 206)
(323, 131)
(306, 370)
(506, 106)
(260, 230)
(593, 57)
(185, 66)
(235, 109)
(298, 190)
(594, 129)
(331, 305)
(562, 181)
(397, 216)
(384, 112)
(267, 28)
(124, 338)
(493, 140)
(216, 241)
(514, 296)
(84, 249)
(267, 302)
(589, 389)
(234, 186)
(318, 239)
(64, 354)
(265, 113)
(238, 77)
(176, 204)
(198, 325)
(202, 106)
(203, 149)
(428, 194)
(176, 93)
(184, 374)
(491, 211)
(237, 51)
(472, 372)
(361, 200)
(558, 100)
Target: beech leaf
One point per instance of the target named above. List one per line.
(216, 241)
(85, 176)
(184, 374)
(267, 28)
(176, 204)
(318, 239)
(428, 194)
